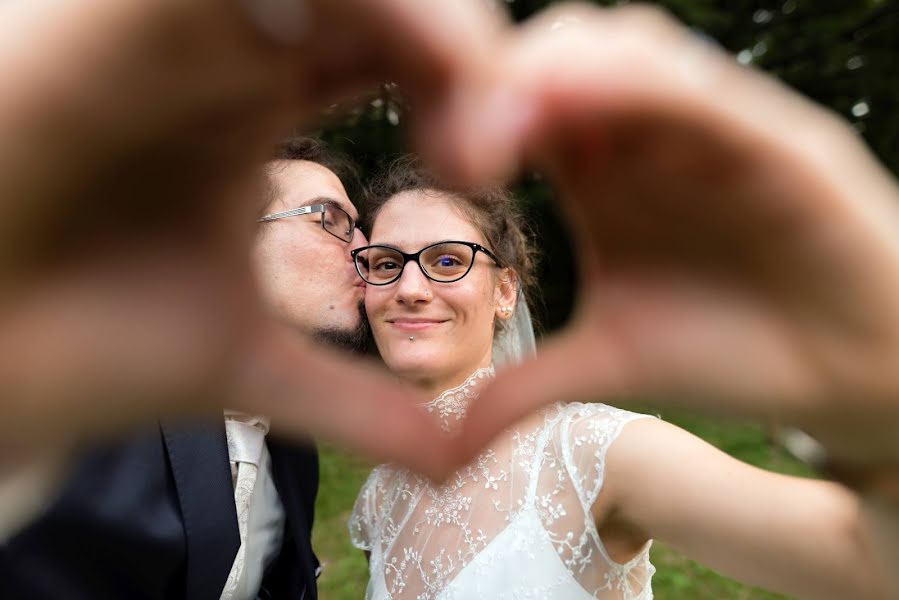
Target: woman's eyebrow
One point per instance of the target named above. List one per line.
(387, 245)
(396, 246)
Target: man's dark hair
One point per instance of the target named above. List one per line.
(312, 149)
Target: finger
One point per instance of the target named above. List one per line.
(658, 341)
(311, 390)
(489, 154)
(454, 77)
(439, 41)
(423, 45)
(571, 66)
(581, 64)
(101, 348)
(566, 368)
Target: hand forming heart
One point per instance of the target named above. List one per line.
(737, 245)
(129, 148)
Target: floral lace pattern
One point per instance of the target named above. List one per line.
(453, 403)
(514, 523)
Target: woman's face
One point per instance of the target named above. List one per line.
(451, 323)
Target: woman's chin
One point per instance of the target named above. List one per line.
(416, 367)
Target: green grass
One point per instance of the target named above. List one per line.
(346, 573)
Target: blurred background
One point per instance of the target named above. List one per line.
(843, 54)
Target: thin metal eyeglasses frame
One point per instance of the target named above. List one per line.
(407, 258)
(313, 208)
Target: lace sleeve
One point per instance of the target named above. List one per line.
(362, 523)
(589, 431)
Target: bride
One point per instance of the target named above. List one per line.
(565, 504)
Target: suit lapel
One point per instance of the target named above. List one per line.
(198, 458)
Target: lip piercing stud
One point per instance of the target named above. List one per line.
(411, 338)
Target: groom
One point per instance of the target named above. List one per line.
(156, 516)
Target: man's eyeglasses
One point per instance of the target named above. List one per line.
(444, 262)
(335, 220)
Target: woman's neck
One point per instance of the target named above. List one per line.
(433, 387)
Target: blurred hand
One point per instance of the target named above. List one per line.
(131, 138)
(738, 247)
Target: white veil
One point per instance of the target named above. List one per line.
(516, 342)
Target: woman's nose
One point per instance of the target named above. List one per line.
(412, 285)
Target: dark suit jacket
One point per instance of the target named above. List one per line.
(153, 518)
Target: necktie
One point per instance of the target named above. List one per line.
(246, 437)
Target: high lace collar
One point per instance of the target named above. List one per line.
(450, 406)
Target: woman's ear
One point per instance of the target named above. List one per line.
(505, 294)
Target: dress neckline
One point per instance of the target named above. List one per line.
(451, 406)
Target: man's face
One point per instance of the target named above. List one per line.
(305, 273)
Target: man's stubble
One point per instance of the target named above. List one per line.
(355, 339)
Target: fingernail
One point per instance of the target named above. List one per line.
(284, 21)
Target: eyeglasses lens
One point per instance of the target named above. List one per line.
(337, 222)
(446, 262)
(380, 265)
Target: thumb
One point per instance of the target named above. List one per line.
(575, 365)
(307, 389)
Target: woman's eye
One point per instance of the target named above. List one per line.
(386, 265)
(448, 261)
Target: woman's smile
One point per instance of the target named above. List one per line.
(415, 323)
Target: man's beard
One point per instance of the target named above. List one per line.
(354, 339)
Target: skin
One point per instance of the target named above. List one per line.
(624, 110)
(723, 265)
(800, 537)
(149, 216)
(306, 275)
(712, 247)
(796, 536)
(452, 323)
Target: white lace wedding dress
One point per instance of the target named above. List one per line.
(513, 524)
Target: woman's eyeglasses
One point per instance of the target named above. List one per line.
(443, 262)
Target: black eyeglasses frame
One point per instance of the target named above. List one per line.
(407, 258)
